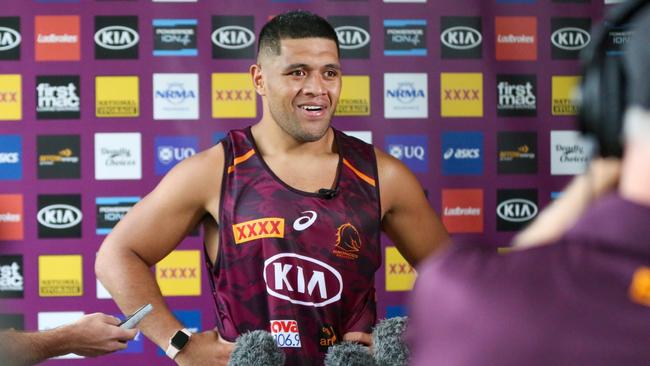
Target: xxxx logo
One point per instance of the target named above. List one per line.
(400, 268)
(269, 227)
(461, 94)
(231, 95)
(8, 97)
(178, 272)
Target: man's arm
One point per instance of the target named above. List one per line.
(407, 217)
(92, 335)
(150, 231)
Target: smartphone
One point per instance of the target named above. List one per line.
(132, 320)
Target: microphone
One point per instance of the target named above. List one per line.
(256, 348)
(328, 193)
(349, 354)
(389, 347)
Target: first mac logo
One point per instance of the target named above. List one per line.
(116, 37)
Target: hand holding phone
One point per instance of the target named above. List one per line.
(132, 320)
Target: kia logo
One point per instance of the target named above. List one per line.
(117, 37)
(233, 37)
(351, 37)
(570, 38)
(517, 210)
(302, 280)
(59, 216)
(461, 38)
(9, 38)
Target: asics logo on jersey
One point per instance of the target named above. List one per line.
(303, 222)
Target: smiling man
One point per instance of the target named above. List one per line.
(292, 211)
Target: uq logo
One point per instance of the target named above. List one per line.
(116, 37)
(233, 37)
(570, 38)
(517, 210)
(461, 38)
(59, 216)
(352, 37)
(302, 280)
(9, 38)
(169, 154)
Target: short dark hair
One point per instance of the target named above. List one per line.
(295, 24)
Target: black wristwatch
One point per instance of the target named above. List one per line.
(177, 342)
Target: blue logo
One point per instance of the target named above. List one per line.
(395, 311)
(133, 346)
(11, 157)
(405, 37)
(412, 150)
(462, 153)
(217, 136)
(191, 319)
(171, 150)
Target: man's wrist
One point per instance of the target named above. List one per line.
(178, 342)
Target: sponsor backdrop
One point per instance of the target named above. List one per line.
(100, 98)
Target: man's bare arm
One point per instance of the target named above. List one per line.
(407, 218)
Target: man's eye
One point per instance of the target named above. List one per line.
(297, 73)
(331, 74)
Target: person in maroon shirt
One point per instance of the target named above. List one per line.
(579, 292)
(258, 180)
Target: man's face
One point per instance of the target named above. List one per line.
(302, 86)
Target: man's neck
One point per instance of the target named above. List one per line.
(272, 140)
(635, 175)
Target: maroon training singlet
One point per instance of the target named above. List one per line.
(297, 264)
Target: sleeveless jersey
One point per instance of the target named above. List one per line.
(297, 264)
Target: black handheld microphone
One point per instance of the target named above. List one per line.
(328, 193)
(256, 348)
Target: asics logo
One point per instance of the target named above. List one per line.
(303, 222)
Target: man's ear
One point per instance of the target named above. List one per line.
(258, 80)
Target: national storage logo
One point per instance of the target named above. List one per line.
(175, 37)
(461, 37)
(116, 37)
(405, 95)
(11, 217)
(57, 37)
(179, 274)
(563, 95)
(462, 153)
(11, 102)
(60, 275)
(110, 210)
(353, 33)
(233, 96)
(58, 97)
(569, 36)
(233, 37)
(171, 150)
(516, 95)
(515, 208)
(355, 96)
(10, 38)
(59, 216)
(405, 37)
(412, 150)
(175, 96)
(117, 96)
(11, 157)
(59, 156)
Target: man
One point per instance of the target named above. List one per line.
(582, 298)
(92, 335)
(292, 213)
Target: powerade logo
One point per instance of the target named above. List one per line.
(110, 210)
(405, 37)
(172, 150)
(175, 37)
(412, 150)
(569, 36)
(462, 153)
(11, 157)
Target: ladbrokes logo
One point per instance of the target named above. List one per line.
(516, 38)
(233, 96)
(302, 280)
(355, 97)
(60, 275)
(59, 216)
(57, 97)
(460, 37)
(461, 94)
(179, 274)
(233, 37)
(175, 37)
(11, 157)
(348, 242)
(563, 95)
(11, 217)
(400, 276)
(353, 34)
(116, 37)
(405, 37)
(58, 156)
(12, 284)
(570, 153)
(269, 227)
(57, 38)
(11, 103)
(516, 95)
(515, 208)
(285, 333)
(110, 210)
(569, 36)
(462, 210)
(10, 38)
(517, 153)
(405, 96)
(117, 96)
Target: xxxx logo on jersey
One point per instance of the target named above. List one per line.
(269, 227)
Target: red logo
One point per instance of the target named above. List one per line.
(462, 210)
(269, 227)
(233, 95)
(348, 242)
(516, 38)
(11, 217)
(56, 37)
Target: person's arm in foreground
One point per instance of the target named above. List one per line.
(601, 177)
(92, 335)
(149, 232)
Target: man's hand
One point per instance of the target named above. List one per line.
(97, 334)
(205, 348)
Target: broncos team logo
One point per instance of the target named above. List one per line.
(348, 242)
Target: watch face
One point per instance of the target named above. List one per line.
(180, 340)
